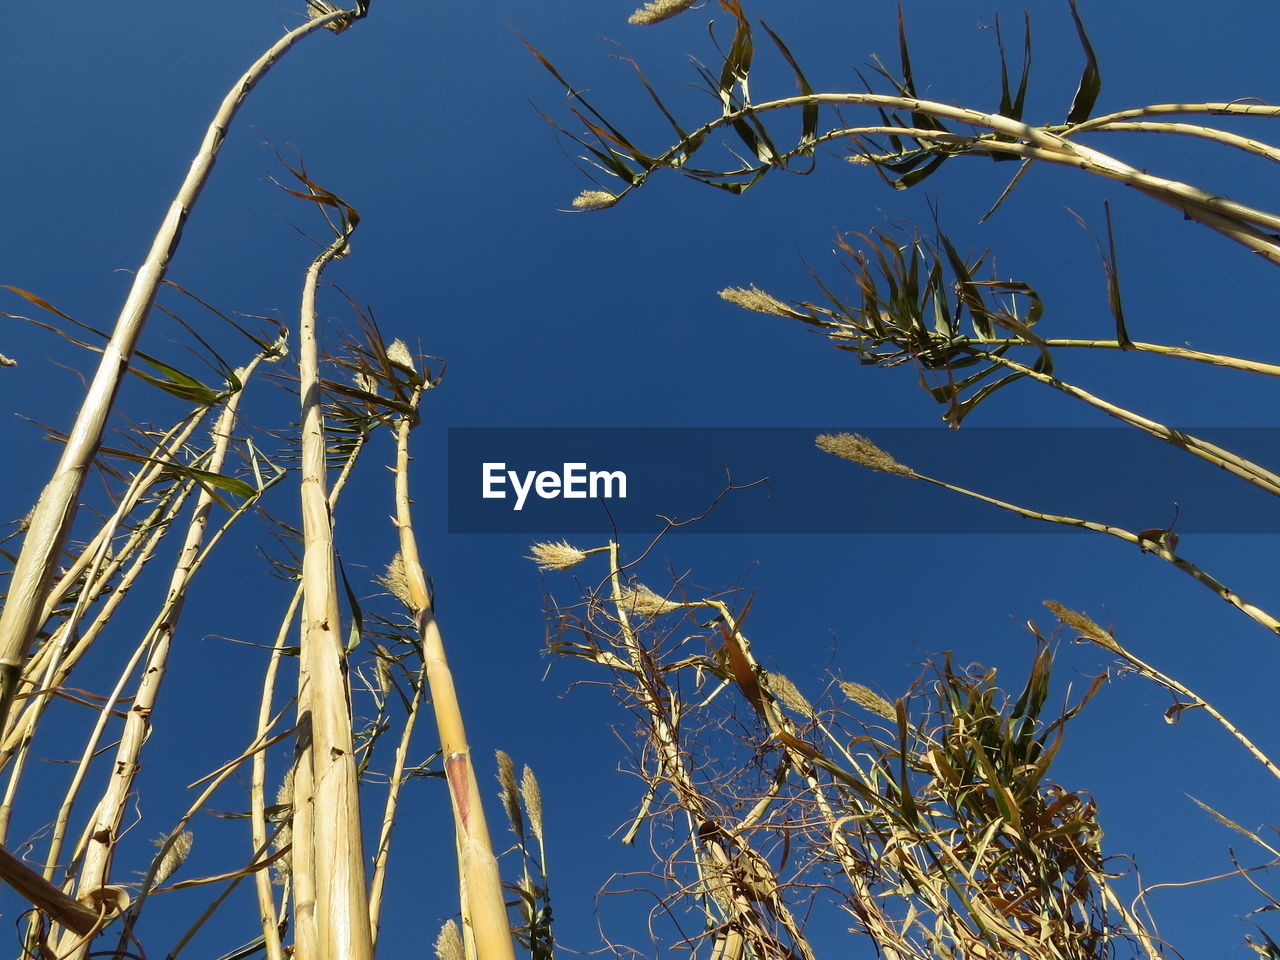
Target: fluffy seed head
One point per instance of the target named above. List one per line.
(400, 356)
(860, 450)
(396, 582)
(594, 200)
(645, 603)
(556, 556)
(507, 792)
(449, 943)
(173, 858)
(753, 298)
(658, 10)
(789, 696)
(868, 699)
(1084, 625)
(532, 795)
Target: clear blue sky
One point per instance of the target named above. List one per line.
(425, 118)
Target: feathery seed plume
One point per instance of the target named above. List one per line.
(753, 298)
(396, 582)
(532, 795)
(860, 450)
(449, 943)
(867, 698)
(788, 695)
(1084, 625)
(400, 356)
(283, 867)
(172, 859)
(507, 793)
(594, 200)
(658, 10)
(645, 603)
(556, 556)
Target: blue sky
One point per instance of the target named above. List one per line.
(425, 118)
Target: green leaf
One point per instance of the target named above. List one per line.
(357, 616)
(1090, 81)
(809, 112)
(1012, 106)
(173, 381)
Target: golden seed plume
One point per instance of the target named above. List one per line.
(400, 356)
(283, 868)
(396, 582)
(7, 361)
(867, 698)
(532, 794)
(449, 943)
(1226, 822)
(173, 858)
(788, 695)
(753, 298)
(507, 793)
(382, 668)
(594, 200)
(860, 450)
(645, 603)
(1083, 625)
(655, 11)
(556, 556)
(365, 382)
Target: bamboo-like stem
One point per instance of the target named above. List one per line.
(1159, 549)
(104, 830)
(16, 746)
(212, 781)
(1247, 144)
(51, 520)
(1241, 467)
(1232, 108)
(50, 667)
(394, 786)
(267, 912)
(95, 737)
(331, 910)
(1242, 223)
(484, 906)
(1095, 634)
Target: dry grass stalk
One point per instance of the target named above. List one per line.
(934, 829)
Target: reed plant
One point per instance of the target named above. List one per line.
(93, 625)
(932, 815)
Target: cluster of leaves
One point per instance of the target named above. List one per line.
(932, 820)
